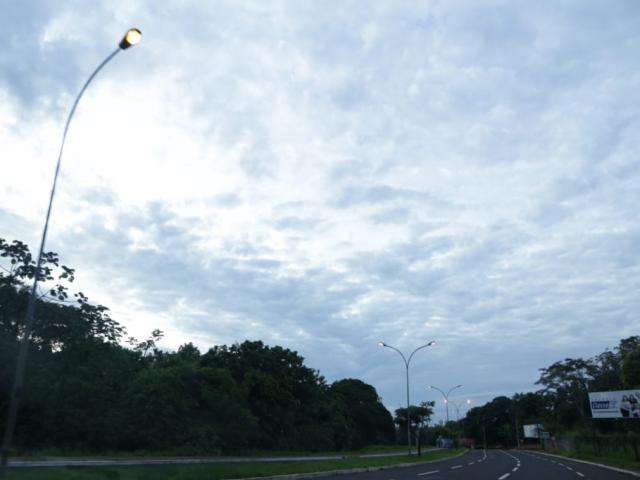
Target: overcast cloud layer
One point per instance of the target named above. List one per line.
(322, 175)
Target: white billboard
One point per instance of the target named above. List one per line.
(533, 431)
(615, 404)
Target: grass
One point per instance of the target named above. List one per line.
(621, 461)
(215, 471)
(66, 453)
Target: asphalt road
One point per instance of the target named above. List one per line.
(495, 465)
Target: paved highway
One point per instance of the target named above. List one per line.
(495, 465)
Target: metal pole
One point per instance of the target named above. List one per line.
(406, 365)
(408, 415)
(18, 381)
(446, 402)
(484, 431)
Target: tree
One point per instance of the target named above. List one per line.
(631, 369)
(367, 420)
(419, 415)
(90, 387)
(566, 386)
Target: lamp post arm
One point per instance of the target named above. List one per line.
(452, 389)
(444, 395)
(16, 391)
(419, 348)
(404, 359)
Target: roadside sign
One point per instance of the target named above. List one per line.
(615, 404)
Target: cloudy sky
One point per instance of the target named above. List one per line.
(323, 175)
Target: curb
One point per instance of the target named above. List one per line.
(346, 471)
(601, 465)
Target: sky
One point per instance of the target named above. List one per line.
(325, 175)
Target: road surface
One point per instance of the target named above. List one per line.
(494, 465)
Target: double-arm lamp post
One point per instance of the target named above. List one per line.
(446, 396)
(458, 405)
(407, 362)
(131, 38)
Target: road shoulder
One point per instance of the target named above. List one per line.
(587, 462)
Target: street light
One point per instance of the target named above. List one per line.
(446, 396)
(458, 405)
(131, 38)
(406, 364)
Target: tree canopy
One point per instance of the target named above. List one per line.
(562, 402)
(91, 387)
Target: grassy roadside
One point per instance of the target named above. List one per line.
(216, 471)
(54, 453)
(613, 461)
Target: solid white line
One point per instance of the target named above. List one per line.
(429, 473)
(504, 476)
(456, 466)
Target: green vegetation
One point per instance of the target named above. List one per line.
(617, 450)
(614, 461)
(217, 471)
(91, 389)
(562, 406)
(177, 452)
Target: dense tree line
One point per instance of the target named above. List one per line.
(91, 387)
(562, 402)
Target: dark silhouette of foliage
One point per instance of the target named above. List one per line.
(90, 387)
(562, 404)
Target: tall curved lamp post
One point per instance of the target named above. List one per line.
(458, 405)
(446, 396)
(131, 38)
(406, 364)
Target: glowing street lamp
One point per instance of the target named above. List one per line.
(458, 405)
(446, 396)
(131, 38)
(406, 364)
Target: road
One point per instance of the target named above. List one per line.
(494, 465)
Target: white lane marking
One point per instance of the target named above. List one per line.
(504, 476)
(471, 463)
(514, 469)
(581, 474)
(456, 466)
(429, 473)
(569, 468)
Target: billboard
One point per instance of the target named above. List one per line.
(535, 430)
(615, 404)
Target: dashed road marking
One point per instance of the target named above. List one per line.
(429, 473)
(471, 463)
(504, 476)
(581, 474)
(456, 466)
